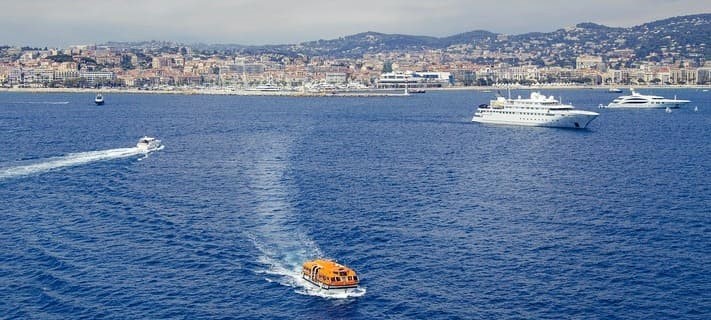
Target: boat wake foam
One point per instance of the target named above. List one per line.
(69, 160)
(310, 290)
(283, 247)
(41, 102)
(149, 151)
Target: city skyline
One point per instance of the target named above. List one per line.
(41, 22)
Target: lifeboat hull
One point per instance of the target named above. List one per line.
(341, 290)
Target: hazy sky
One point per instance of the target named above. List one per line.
(61, 23)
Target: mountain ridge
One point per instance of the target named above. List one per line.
(686, 34)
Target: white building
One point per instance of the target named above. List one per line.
(703, 75)
(589, 62)
(94, 77)
(336, 77)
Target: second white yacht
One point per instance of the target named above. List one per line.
(538, 110)
(641, 101)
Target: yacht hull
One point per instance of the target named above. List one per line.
(334, 289)
(576, 121)
(673, 105)
(149, 147)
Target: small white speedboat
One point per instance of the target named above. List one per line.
(99, 100)
(148, 143)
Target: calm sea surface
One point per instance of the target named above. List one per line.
(442, 218)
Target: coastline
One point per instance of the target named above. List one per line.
(569, 87)
(363, 93)
(287, 93)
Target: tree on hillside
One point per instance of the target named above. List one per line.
(61, 58)
(387, 67)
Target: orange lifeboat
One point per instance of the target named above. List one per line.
(330, 275)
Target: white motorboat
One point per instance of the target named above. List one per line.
(148, 143)
(538, 111)
(99, 100)
(641, 101)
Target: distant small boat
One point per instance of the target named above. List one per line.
(269, 87)
(148, 143)
(696, 108)
(614, 90)
(668, 110)
(99, 100)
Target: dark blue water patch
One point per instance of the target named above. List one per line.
(442, 218)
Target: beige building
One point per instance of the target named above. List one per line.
(703, 75)
(589, 62)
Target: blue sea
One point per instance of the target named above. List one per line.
(441, 217)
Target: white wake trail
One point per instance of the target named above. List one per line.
(69, 160)
(41, 102)
(283, 247)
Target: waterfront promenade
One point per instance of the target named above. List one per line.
(305, 93)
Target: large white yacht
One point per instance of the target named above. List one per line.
(637, 100)
(538, 110)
